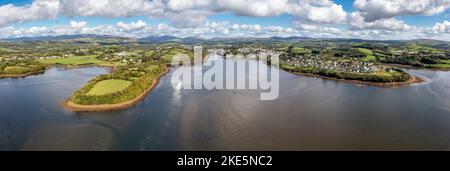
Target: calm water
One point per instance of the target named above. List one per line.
(310, 114)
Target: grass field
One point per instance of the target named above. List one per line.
(177, 51)
(299, 50)
(369, 53)
(108, 87)
(385, 74)
(151, 68)
(446, 61)
(2, 49)
(416, 46)
(129, 53)
(284, 66)
(440, 65)
(445, 64)
(296, 50)
(77, 60)
(149, 53)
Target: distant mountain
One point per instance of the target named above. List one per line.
(168, 39)
(108, 39)
(248, 39)
(293, 38)
(234, 39)
(66, 37)
(194, 39)
(427, 41)
(160, 39)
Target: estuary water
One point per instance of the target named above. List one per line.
(310, 114)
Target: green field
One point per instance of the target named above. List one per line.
(444, 64)
(108, 87)
(177, 51)
(149, 53)
(445, 61)
(369, 53)
(288, 67)
(15, 70)
(384, 74)
(77, 60)
(416, 46)
(298, 50)
(2, 49)
(151, 68)
(129, 53)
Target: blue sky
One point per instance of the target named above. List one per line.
(322, 18)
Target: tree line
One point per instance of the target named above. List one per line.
(397, 76)
(21, 67)
(141, 80)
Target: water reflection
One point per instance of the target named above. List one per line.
(310, 114)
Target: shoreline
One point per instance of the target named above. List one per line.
(111, 107)
(112, 67)
(204, 59)
(23, 75)
(418, 68)
(414, 80)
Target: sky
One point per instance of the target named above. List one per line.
(364, 19)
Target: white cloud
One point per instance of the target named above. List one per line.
(330, 14)
(257, 8)
(277, 29)
(323, 11)
(195, 12)
(317, 2)
(184, 5)
(443, 27)
(254, 28)
(307, 27)
(78, 25)
(373, 19)
(139, 25)
(51, 9)
(38, 9)
(112, 8)
(382, 9)
(356, 21)
(190, 18)
(139, 29)
(180, 12)
(312, 30)
(29, 32)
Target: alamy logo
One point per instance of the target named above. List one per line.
(260, 74)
